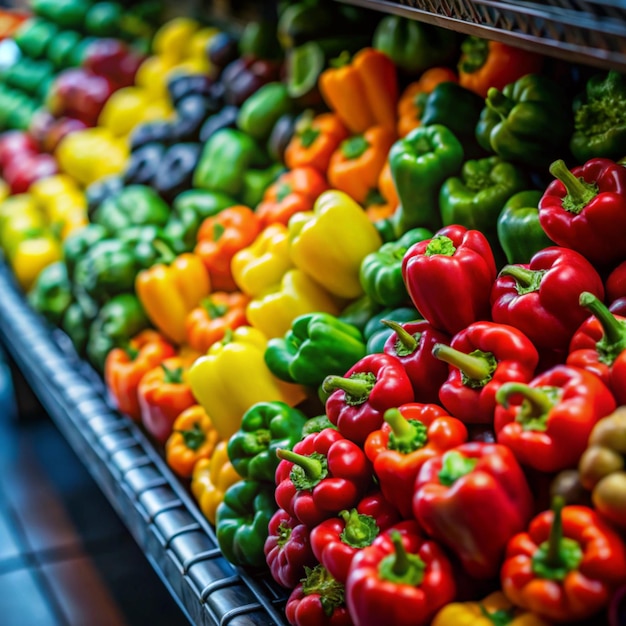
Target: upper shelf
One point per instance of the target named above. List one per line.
(591, 32)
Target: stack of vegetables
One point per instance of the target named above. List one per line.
(387, 349)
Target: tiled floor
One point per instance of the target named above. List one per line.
(65, 557)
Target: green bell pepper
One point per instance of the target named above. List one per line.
(316, 345)
(150, 244)
(600, 118)
(420, 163)
(51, 294)
(316, 425)
(28, 74)
(527, 122)
(265, 427)
(77, 320)
(381, 271)
(376, 333)
(59, 51)
(226, 156)
(262, 109)
(360, 312)
(519, 231)
(242, 522)
(104, 19)
(76, 245)
(255, 182)
(33, 37)
(63, 13)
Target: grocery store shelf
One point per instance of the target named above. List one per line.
(157, 509)
(591, 32)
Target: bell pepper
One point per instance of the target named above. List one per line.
(125, 366)
(567, 553)
(317, 345)
(51, 295)
(333, 215)
(210, 480)
(273, 311)
(265, 427)
(541, 298)
(420, 163)
(403, 578)
(358, 400)
(410, 435)
(376, 332)
(323, 474)
(561, 405)
(76, 323)
(233, 376)
(294, 191)
(601, 467)
(599, 122)
(314, 141)
(336, 540)
(257, 181)
(583, 209)
(616, 283)
(34, 251)
(484, 64)
(319, 600)
(193, 438)
(169, 293)
(262, 265)
(369, 78)
(359, 312)
(496, 609)
(242, 522)
(482, 358)
(164, 393)
(449, 277)
(455, 493)
(209, 322)
(220, 237)
(288, 549)
(356, 165)
(599, 345)
(262, 109)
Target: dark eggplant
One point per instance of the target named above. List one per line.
(143, 164)
(175, 171)
(226, 118)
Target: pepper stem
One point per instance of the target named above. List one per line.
(311, 466)
(173, 375)
(354, 147)
(556, 532)
(360, 530)
(538, 401)
(613, 343)
(357, 387)
(131, 351)
(454, 466)
(473, 366)
(406, 435)
(213, 309)
(408, 343)
(526, 281)
(165, 252)
(218, 231)
(579, 192)
(194, 437)
(500, 103)
(440, 245)
(400, 566)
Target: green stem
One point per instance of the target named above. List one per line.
(357, 387)
(474, 367)
(400, 566)
(407, 342)
(173, 375)
(218, 231)
(166, 254)
(536, 406)
(194, 437)
(579, 192)
(440, 245)
(499, 103)
(475, 52)
(214, 310)
(556, 532)
(406, 435)
(526, 281)
(308, 137)
(311, 466)
(454, 466)
(360, 530)
(614, 330)
(354, 147)
(132, 353)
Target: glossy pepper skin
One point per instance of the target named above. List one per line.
(336, 540)
(324, 474)
(376, 332)
(265, 427)
(358, 400)
(77, 244)
(485, 479)
(403, 578)
(262, 109)
(583, 209)
(317, 345)
(616, 283)
(541, 298)
(566, 555)
(51, 293)
(124, 368)
(410, 435)
(449, 277)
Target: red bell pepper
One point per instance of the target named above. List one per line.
(473, 499)
(599, 346)
(412, 343)
(336, 540)
(324, 474)
(319, 600)
(411, 434)
(546, 424)
(585, 210)
(481, 358)
(449, 277)
(403, 579)
(287, 549)
(359, 399)
(616, 283)
(541, 298)
(566, 566)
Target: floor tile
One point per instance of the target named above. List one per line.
(22, 602)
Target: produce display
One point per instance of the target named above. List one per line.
(366, 294)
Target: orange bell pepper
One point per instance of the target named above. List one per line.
(315, 140)
(208, 323)
(193, 438)
(387, 187)
(125, 367)
(356, 165)
(413, 98)
(169, 292)
(220, 237)
(164, 394)
(294, 191)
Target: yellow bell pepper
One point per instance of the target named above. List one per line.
(330, 242)
(494, 609)
(152, 76)
(233, 376)
(33, 254)
(124, 110)
(172, 39)
(18, 205)
(273, 312)
(46, 190)
(197, 46)
(211, 478)
(169, 292)
(19, 227)
(262, 264)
